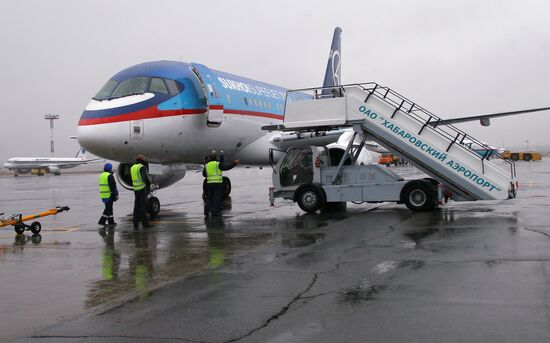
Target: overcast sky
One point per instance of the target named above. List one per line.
(454, 58)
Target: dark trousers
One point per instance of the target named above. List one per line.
(107, 213)
(213, 199)
(140, 207)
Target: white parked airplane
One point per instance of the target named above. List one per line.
(23, 165)
(175, 113)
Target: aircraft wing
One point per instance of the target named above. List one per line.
(484, 119)
(285, 140)
(94, 160)
(291, 139)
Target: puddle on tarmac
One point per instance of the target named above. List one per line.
(361, 293)
(301, 240)
(413, 264)
(418, 235)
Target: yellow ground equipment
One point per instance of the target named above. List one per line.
(389, 159)
(522, 155)
(17, 220)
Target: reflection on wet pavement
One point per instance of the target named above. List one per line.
(75, 266)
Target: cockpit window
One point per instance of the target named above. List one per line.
(157, 86)
(138, 85)
(174, 87)
(135, 85)
(105, 91)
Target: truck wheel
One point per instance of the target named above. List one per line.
(310, 198)
(418, 195)
(433, 182)
(36, 227)
(154, 206)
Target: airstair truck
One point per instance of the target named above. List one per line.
(308, 176)
(401, 126)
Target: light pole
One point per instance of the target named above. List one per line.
(51, 118)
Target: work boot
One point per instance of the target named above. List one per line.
(101, 222)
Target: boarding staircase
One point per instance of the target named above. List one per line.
(401, 125)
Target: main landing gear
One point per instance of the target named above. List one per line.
(226, 188)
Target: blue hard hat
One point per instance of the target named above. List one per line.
(108, 167)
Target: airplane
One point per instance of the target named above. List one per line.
(23, 165)
(175, 113)
(481, 148)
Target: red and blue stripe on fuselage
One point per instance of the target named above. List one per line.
(233, 94)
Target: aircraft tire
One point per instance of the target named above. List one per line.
(226, 184)
(154, 206)
(226, 188)
(418, 196)
(36, 227)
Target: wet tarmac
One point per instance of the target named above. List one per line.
(473, 271)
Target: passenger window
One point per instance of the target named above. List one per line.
(245, 101)
(157, 86)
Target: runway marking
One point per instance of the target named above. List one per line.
(54, 231)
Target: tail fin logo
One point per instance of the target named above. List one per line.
(335, 67)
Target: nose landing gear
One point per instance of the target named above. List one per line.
(154, 206)
(226, 188)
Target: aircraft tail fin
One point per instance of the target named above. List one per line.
(333, 71)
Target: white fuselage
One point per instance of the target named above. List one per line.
(180, 139)
(26, 164)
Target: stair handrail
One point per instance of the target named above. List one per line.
(403, 105)
(383, 92)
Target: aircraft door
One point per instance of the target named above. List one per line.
(214, 94)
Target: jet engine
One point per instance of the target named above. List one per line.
(171, 173)
(54, 170)
(337, 150)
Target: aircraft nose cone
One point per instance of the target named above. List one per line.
(96, 138)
